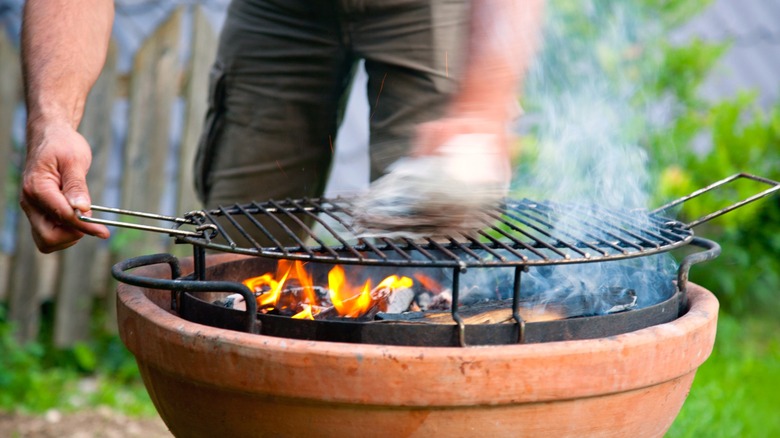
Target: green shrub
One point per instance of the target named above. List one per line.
(36, 376)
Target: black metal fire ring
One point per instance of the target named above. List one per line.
(223, 279)
(196, 310)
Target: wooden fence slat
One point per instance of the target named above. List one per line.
(10, 86)
(154, 85)
(81, 264)
(32, 280)
(204, 48)
(153, 89)
(31, 275)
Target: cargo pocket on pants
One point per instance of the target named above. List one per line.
(212, 130)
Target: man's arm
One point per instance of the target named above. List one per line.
(503, 39)
(64, 45)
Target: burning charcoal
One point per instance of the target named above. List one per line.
(605, 300)
(400, 300)
(380, 296)
(442, 301)
(406, 316)
(325, 313)
(232, 301)
(423, 300)
(622, 299)
(608, 300)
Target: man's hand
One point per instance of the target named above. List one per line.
(480, 142)
(54, 185)
(432, 135)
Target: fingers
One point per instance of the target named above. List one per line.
(74, 188)
(54, 233)
(49, 235)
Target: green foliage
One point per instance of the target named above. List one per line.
(674, 12)
(622, 48)
(737, 137)
(734, 393)
(36, 376)
(743, 139)
(684, 68)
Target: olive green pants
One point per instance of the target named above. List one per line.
(279, 82)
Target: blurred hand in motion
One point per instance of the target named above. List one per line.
(478, 145)
(54, 186)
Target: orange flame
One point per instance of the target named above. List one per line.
(347, 300)
(428, 282)
(396, 282)
(270, 296)
(305, 313)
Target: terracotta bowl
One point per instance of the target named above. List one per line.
(212, 382)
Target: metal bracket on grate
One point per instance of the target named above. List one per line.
(195, 219)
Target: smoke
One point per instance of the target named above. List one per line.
(586, 118)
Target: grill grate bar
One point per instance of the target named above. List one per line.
(623, 224)
(539, 242)
(303, 226)
(397, 249)
(264, 230)
(503, 245)
(443, 249)
(361, 242)
(238, 227)
(589, 220)
(672, 230)
(659, 223)
(308, 212)
(283, 226)
(220, 228)
(387, 242)
(468, 250)
(596, 244)
(419, 248)
(629, 224)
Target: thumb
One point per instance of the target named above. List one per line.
(74, 188)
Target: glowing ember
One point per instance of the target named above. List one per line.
(294, 292)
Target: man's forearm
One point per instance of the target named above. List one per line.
(504, 35)
(64, 45)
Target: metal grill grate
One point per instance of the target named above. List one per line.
(521, 232)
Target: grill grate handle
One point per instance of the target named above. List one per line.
(194, 218)
(775, 186)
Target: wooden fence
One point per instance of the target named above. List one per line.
(73, 278)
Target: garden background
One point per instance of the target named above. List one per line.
(690, 83)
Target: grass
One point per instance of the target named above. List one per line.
(736, 392)
(37, 377)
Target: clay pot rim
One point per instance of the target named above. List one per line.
(618, 363)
